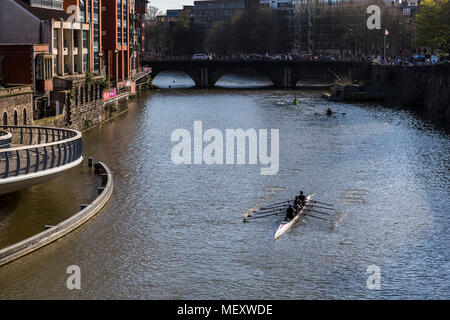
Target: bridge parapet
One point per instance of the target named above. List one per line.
(37, 154)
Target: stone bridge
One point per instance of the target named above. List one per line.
(33, 155)
(284, 74)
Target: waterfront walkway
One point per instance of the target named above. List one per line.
(33, 155)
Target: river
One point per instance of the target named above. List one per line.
(176, 232)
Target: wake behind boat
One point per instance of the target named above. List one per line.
(286, 225)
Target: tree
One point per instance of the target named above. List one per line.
(433, 25)
(152, 12)
(156, 37)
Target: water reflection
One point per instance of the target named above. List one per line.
(243, 81)
(173, 80)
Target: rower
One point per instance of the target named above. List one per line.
(302, 198)
(289, 213)
(296, 101)
(329, 112)
(297, 205)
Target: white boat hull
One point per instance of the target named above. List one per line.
(285, 226)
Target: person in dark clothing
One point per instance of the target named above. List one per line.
(289, 213)
(302, 198)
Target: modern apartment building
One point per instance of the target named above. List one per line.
(116, 39)
(89, 11)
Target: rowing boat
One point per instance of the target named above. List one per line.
(286, 225)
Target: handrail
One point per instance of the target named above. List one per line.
(40, 148)
(5, 139)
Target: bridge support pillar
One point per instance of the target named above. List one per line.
(287, 78)
(204, 81)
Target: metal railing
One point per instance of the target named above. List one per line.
(38, 149)
(5, 139)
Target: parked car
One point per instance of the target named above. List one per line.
(280, 56)
(307, 57)
(295, 57)
(200, 56)
(324, 58)
(255, 56)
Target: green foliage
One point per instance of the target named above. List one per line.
(88, 123)
(70, 95)
(89, 77)
(106, 84)
(433, 25)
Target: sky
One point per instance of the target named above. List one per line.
(163, 5)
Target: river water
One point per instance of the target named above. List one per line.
(176, 232)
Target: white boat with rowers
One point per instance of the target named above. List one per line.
(286, 225)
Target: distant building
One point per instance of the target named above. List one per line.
(45, 36)
(206, 13)
(90, 12)
(116, 39)
(339, 27)
(278, 4)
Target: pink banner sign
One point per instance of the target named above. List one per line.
(110, 94)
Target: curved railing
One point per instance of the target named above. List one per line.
(36, 149)
(5, 139)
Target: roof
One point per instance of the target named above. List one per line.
(43, 13)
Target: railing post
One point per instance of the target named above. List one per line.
(18, 163)
(6, 165)
(45, 158)
(28, 162)
(36, 166)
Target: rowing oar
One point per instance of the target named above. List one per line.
(264, 212)
(274, 207)
(327, 204)
(269, 215)
(313, 205)
(276, 204)
(318, 211)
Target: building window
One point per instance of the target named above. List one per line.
(85, 39)
(24, 117)
(5, 119)
(55, 65)
(82, 10)
(16, 118)
(55, 38)
(85, 63)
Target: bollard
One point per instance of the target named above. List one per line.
(90, 162)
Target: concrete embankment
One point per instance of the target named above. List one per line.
(424, 89)
(53, 233)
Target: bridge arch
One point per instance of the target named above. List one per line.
(173, 79)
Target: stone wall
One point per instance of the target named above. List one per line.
(16, 105)
(424, 89)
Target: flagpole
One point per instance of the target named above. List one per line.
(384, 48)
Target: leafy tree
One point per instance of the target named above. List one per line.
(433, 24)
